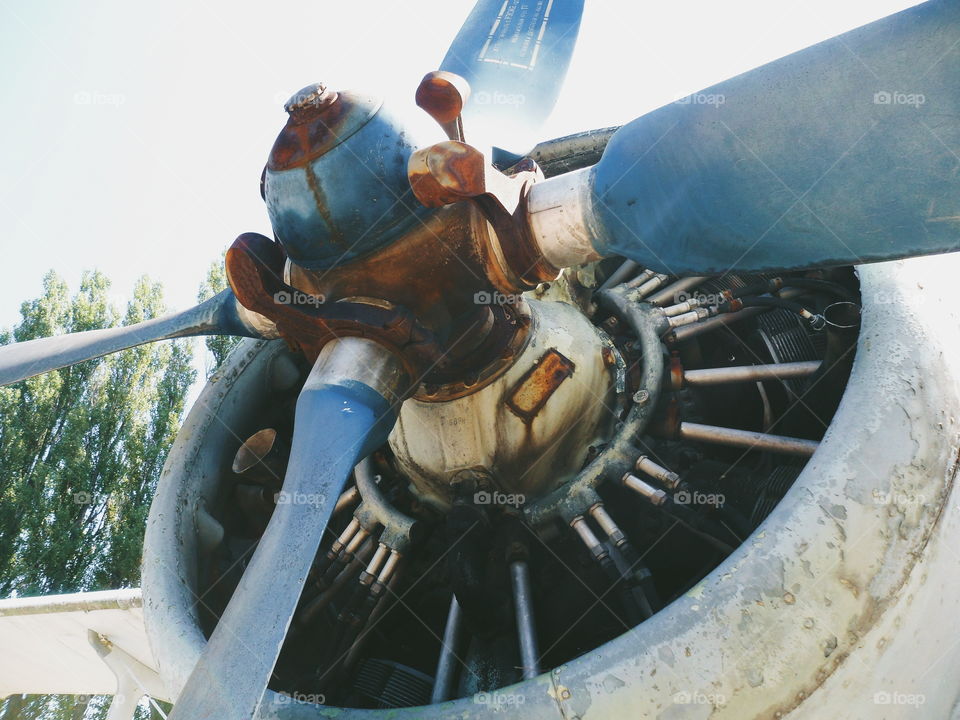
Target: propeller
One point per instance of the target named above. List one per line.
(345, 410)
(515, 55)
(843, 153)
(220, 315)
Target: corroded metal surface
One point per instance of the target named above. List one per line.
(314, 128)
(308, 323)
(565, 409)
(452, 172)
(534, 389)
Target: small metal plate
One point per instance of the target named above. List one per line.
(540, 382)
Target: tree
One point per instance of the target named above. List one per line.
(81, 450)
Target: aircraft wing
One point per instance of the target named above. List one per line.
(76, 644)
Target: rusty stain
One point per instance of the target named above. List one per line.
(312, 131)
(320, 200)
(446, 173)
(537, 385)
(452, 171)
(442, 94)
(437, 271)
(676, 371)
(254, 265)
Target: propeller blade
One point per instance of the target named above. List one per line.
(843, 153)
(220, 315)
(514, 54)
(344, 411)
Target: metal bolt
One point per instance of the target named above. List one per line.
(641, 397)
(310, 100)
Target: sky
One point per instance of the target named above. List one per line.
(134, 134)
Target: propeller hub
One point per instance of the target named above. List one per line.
(335, 183)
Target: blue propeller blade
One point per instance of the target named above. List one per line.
(845, 152)
(338, 421)
(219, 315)
(514, 54)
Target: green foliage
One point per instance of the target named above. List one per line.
(72, 707)
(218, 345)
(81, 450)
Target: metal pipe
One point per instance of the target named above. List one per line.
(389, 567)
(323, 565)
(640, 279)
(572, 152)
(671, 292)
(381, 607)
(446, 672)
(580, 526)
(747, 439)
(688, 331)
(370, 573)
(653, 494)
(523, 604)
(650, 285)
(349, 497)
(355, 542)
(360, 614)
(658, 472)
(324, 598)
(749, 373)
(687, 305)
(344, 557)
(345, 537)
(627, 268)
(609, 527)
(690, 317)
